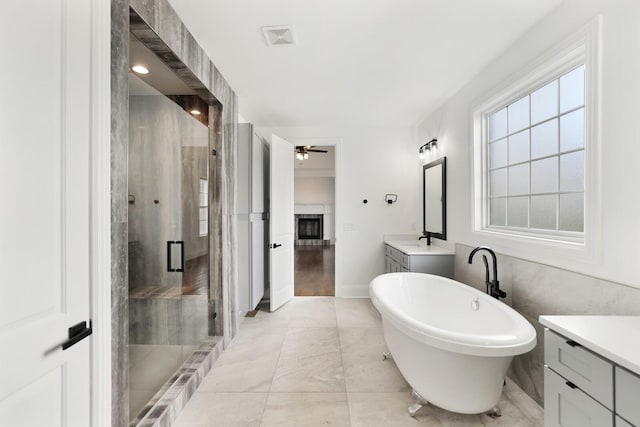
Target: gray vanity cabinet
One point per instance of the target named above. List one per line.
(582, 388)
(396, 261)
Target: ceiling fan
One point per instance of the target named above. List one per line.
(302, 151)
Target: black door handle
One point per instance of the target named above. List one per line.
(571, 385)
(77, 333)
(275, 245)
(169, 255)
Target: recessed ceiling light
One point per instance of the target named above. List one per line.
(140, 69)
(195, 112)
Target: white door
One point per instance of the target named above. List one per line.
(281, 223)
(44, 214)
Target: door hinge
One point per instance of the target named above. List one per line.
(214, 152)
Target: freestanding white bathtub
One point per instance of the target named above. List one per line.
(452, 343)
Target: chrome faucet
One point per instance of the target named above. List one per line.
(493, 286)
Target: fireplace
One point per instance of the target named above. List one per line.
(309, 229)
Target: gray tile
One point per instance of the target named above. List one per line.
(388, 410)
(313, 312)
(357, 313)
(236, 372)
(306, 409)
(364, 368)
(310, 361)
(223, 409)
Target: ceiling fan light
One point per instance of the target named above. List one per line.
(299, 156)
(306, 156)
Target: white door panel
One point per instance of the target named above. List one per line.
(281, 223)
(44, 220)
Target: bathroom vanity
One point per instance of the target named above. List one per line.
(592, 371)
(417, 257)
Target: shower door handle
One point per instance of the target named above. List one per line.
(170, 245)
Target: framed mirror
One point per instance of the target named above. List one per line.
(434, 199)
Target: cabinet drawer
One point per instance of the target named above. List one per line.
(565, 406)
(628, 395)
(387, 250)
(395, 254)
(622, 423)
(593, 374)
(405, 261)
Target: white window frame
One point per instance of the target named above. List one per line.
(583, 47)
(200, 206)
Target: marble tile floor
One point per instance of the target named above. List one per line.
(317, 361)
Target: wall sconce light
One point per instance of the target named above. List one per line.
(422, 152)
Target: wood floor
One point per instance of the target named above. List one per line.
(314, 271)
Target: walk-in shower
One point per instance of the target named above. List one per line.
(171, 309)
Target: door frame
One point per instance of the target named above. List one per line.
(100, 232)
(337, 144)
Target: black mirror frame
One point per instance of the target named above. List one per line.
(443, 235)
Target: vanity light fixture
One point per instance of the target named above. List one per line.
(422, 152)
(140, 69)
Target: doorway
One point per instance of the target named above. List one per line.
(314, 219)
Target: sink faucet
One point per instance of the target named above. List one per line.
(426, 235)
(493, 286)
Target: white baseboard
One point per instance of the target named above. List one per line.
(361, 291)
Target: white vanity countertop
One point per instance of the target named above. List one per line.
(615, 337)
(416, 247)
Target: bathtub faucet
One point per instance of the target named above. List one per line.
(493, 286)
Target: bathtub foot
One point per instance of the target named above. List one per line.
(386, 355)
(495, 412)
(420, 402)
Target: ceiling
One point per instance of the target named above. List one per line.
(356, 62)
(160, 76)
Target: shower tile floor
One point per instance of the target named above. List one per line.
(317, 361)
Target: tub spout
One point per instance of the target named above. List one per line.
(493, 286)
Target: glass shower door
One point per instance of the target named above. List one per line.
(168, 253)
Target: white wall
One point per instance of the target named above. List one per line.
(370, 162)
(620, 225)
(314, 190)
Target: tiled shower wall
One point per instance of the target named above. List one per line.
(535, 289)
(193, 65)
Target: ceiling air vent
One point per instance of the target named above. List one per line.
(279, 35)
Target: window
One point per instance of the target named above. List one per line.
(204, 207)
(535, 164)
(536, 149)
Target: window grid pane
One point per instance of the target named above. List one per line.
(535, 165)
